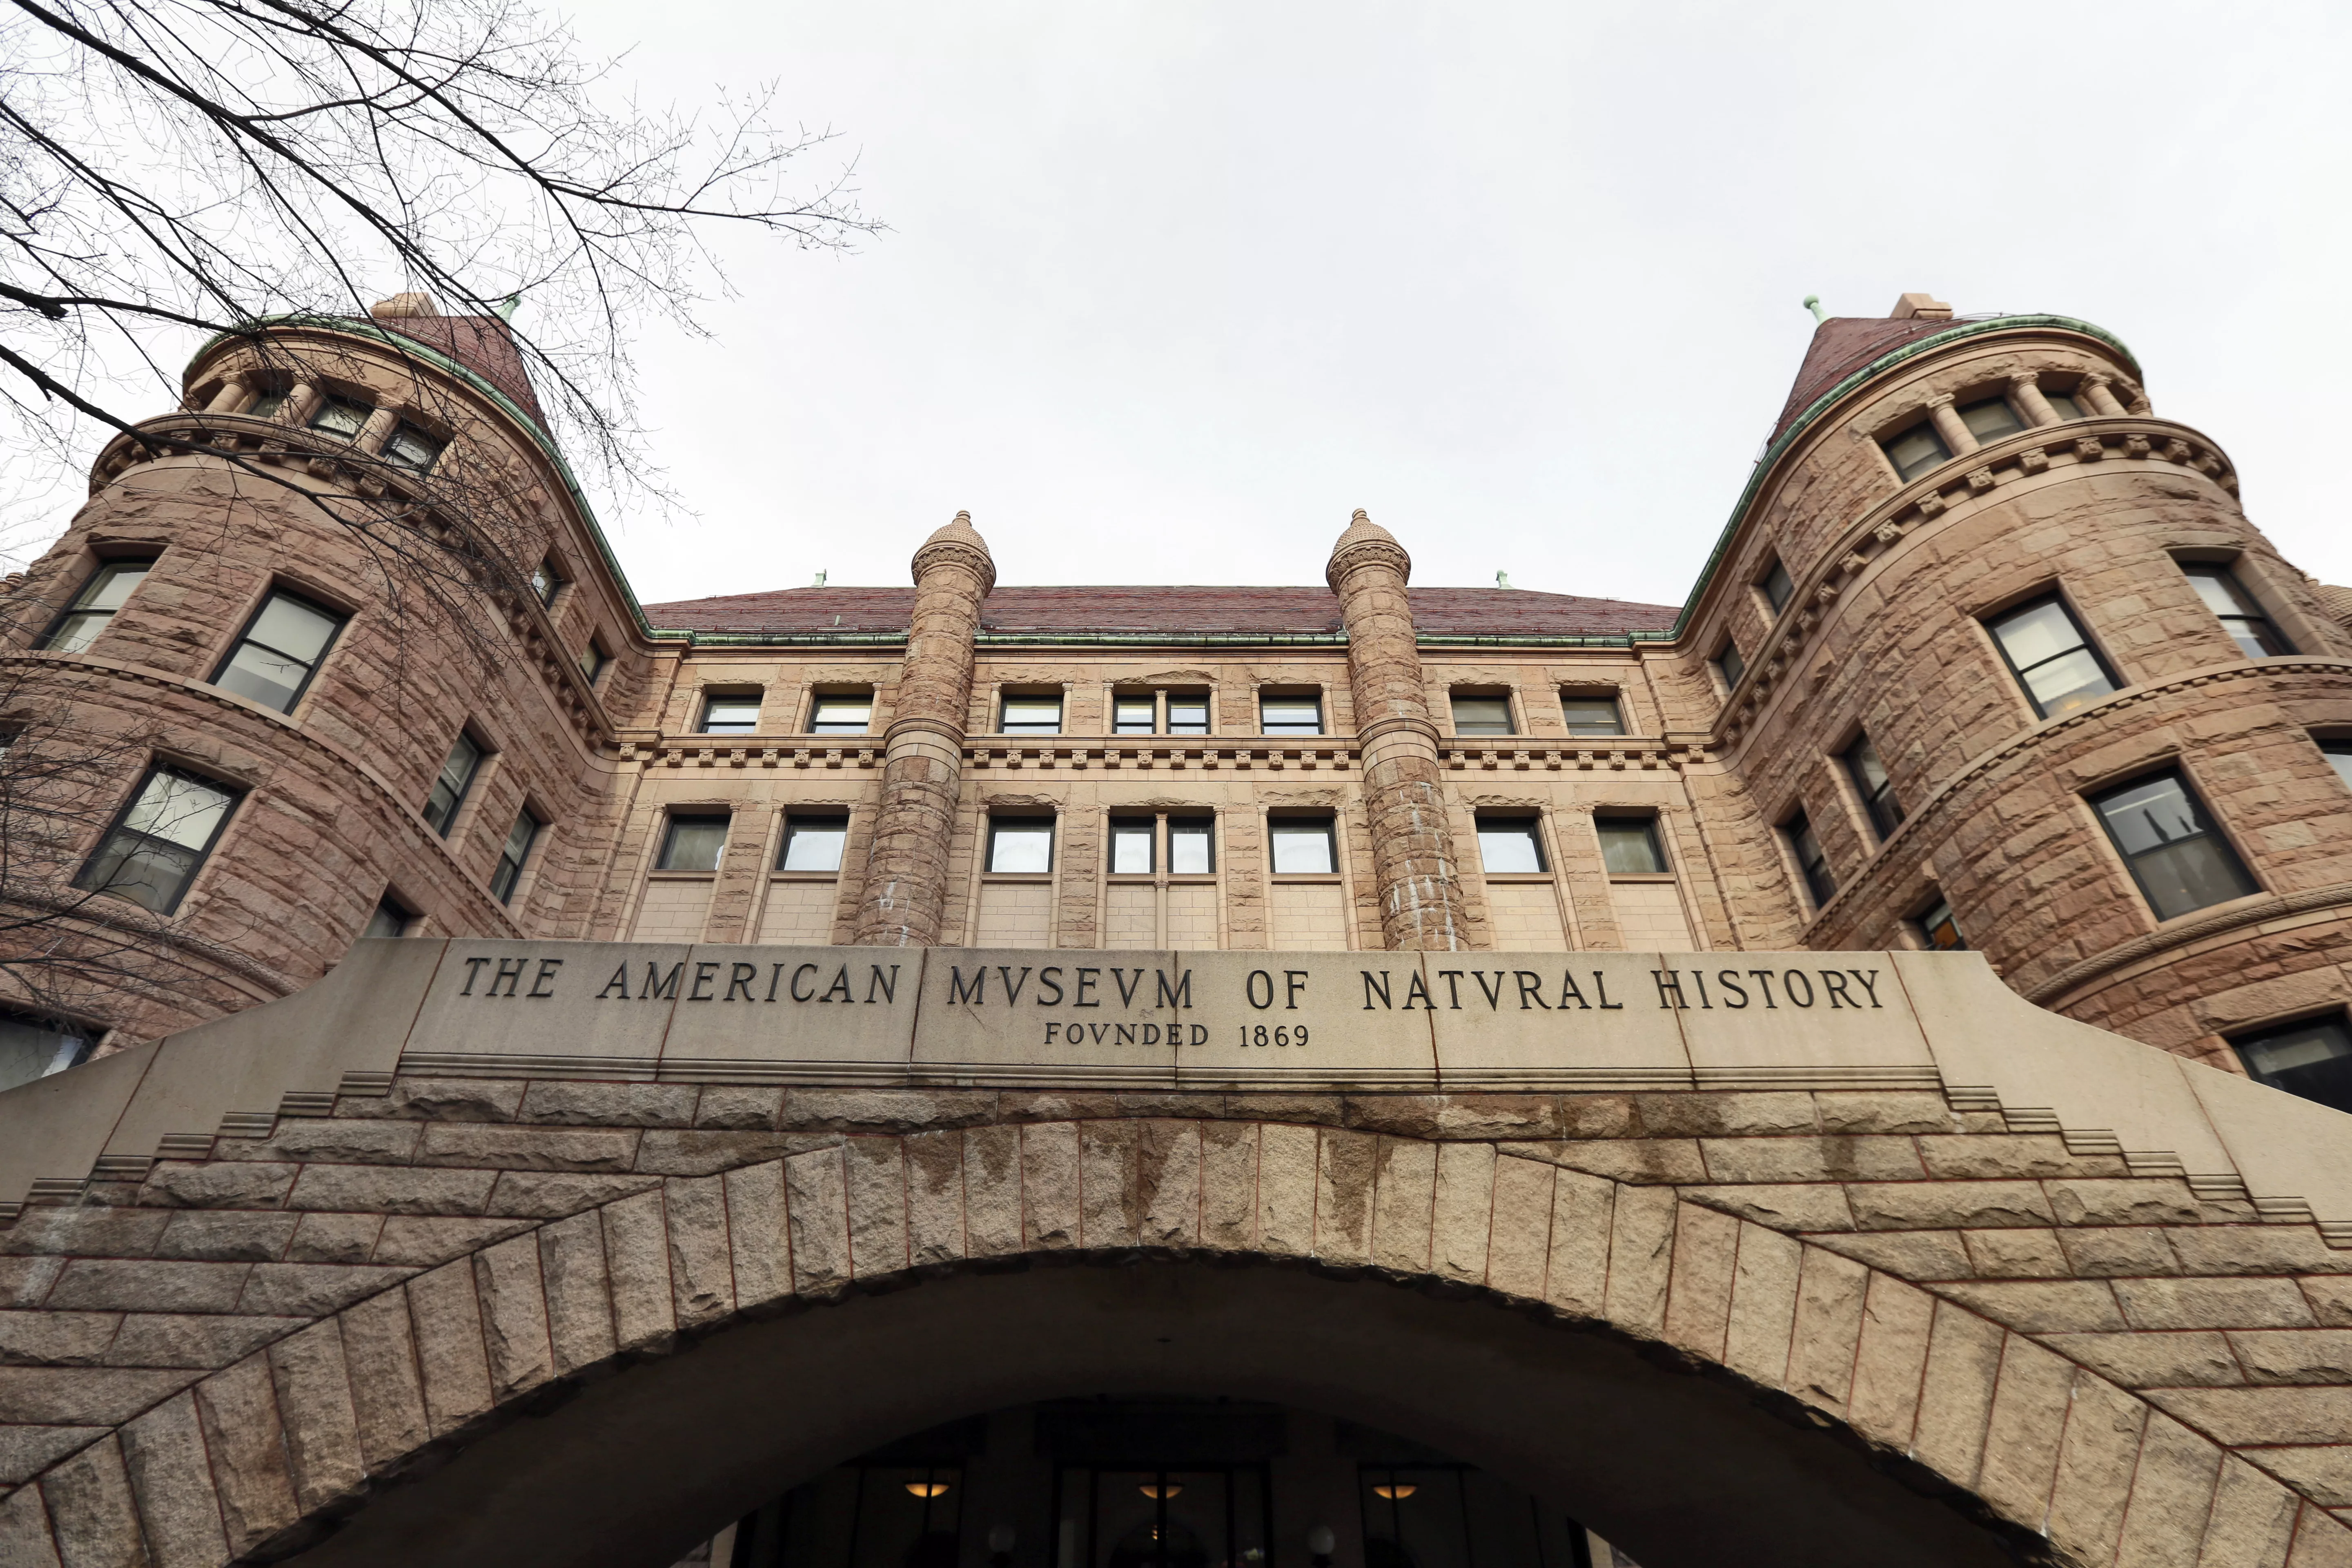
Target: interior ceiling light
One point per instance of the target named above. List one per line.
(1170, 1490)
(928, 1488)
(1395, 1491)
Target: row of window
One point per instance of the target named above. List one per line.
(1154, 713)
(1921, 447)
(2054, 660)
(406, 448)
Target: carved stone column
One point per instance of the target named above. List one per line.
(2101, 397)
(2025, 391)
(1950, 425)
(906, 871)
(1413, 851)
(231, 396)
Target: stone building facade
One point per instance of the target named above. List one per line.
(1829, 746)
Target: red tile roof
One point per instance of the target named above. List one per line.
(1232, 612)
(1842, 345)
(483, 344)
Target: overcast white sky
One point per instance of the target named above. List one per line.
(1171, 287)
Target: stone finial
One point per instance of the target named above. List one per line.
(1919, 308)
(958, 542)
(1365, 541)
(400, 305)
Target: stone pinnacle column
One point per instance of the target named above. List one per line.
(907, 871)
(1413, 851)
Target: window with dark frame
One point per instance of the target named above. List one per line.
(1777, 587)
(2065, 405)
(449, 789)
(273, 662)
(694, 841)
(1020, 846)
(592, 660)
(842, 713)
(1728, 665)
(1031, 713)
(1877, 791)
(1192, 846)
(1483, 716)
(1805, 847)
(1628, 846)
(2053, 660)
(1302, 846)
(1289, 715)
(411, 448)
(1510, 845)
(2338, 754)
(1915, 450)
(1135, 713)
(340, 417)
(730, 713)
(267, 405)
(813, 842)
(514, 855)
(161, 840)
(1593, 715)
(33, 1047)
(1188, 713)
(2312, 1058)
(1990, 418)
(1939, 930)
(1133, 845)
(2235, 608)
(546, 580)
(388, 920)
(93, 609)
(2178, 856)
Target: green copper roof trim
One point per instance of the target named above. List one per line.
(1876, 367)
(351, 326)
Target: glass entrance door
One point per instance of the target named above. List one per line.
(1210, 1517)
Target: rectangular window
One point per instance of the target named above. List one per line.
(1509, 844)
(32, 1046)
(2064, 405)
(2312, 1059)
(513, 854)
(1020, 844)
(2236, 610)
(1132, 844)
(592, 660)
(1593, 715)
(411, 448)
(388, 921)
(2179, 859)
(1777, 587)
(1302, 846)
(159, 841)
(268, 405)
(2339, 757)
(843, 715)
(1869, 775)
(1917, 450)
(1191, 846)
(1290, 715)
(729, 715)
(1134, 715)
(95, 605)
(340, 417)
(1482, 716)
(1810, 861)
(449, 789)
(1728, 665)
(1032, 715)
(545, 580)
(1628, 846)
(1188, 714)
(693, 842)
(2051, 657)
(274, 661)
(1990, 418)
(1941, 932)
(813, 843)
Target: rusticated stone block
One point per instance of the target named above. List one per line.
(2029, 1403)
(1699, 1297)
(91, 1511)
(1809, 1159)
(163, 1451)
(567, 1104)
(2152, 1361)
(740, 1107)
(816, 1203)
(387, 1399)
(1521, 1233)
(2096, 1456)
(529, 1148)
(1956, 1393)
(1287, 1163)
(1763, 1304)
(1819, 1206)
(1641, 1256)
(101, 1284)
(1109, 1210)
(300, 1141)
(25, 1534)
(2299, 1356)
(86, 1231)
(214, 1235)
(2147, 1200)
(2243, 1418)
(2096, 1254)
(2256, 1249)
(1646, 1161)
(636, 1260)
(82, 1395)
(702, 1267)
(1999, 1157)
(2171, 1494)
(551, 1195)
(1883, 1111)
(513, 1306)
(2323, 1474)
(2252, 1521)
(934, 1198)
(1725, 1115)
(2040, 1306)
(759, 1252)
(1404, 1190)
(1346, 1176)
(314, 1402)
(2213, 1304)
(991, 1188)
(196, 1340)
(1907, 1254)
(26, 1451)
(174, 1183)
(1307, 1110)
(1453, 1116)
(673, 1153)
(56, 1339)
(312, 1290)
(384, 1189)
(1583, 1221)
(1830, 1294)
(334, 1238)
(2320, 1541)
(885, 1110)
(439, 1100)
(1948, 1205)
(1585, 1116)
(424, 1241)
(450, 1351)
(1463, 1215)
(2015, 1254)
(579, 1295)
(247, 1445)
(1896, 1324)
(1167, 1183)
(1051, 1193)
